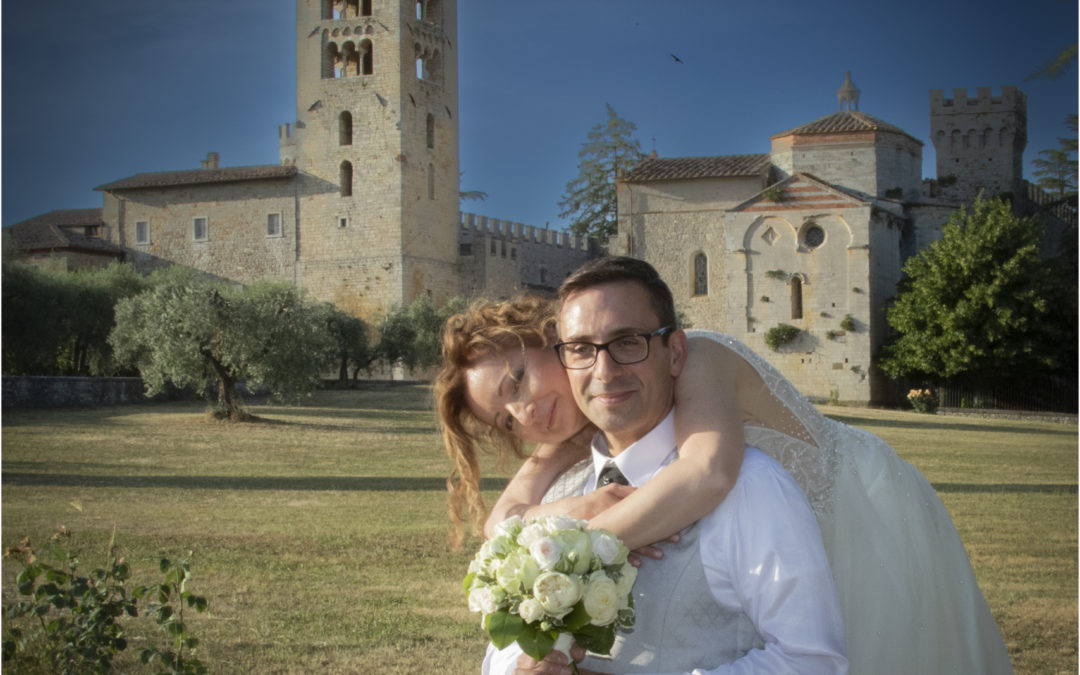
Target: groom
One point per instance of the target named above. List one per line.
(748, 587)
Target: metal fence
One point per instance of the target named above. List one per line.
(1041, 395)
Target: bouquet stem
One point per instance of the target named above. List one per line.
(563, 644)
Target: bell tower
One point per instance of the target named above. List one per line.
(376, 144)
(979, 142)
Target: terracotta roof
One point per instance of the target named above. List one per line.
(676, 168)
(200, 176)
(844, 121)
(58, 229)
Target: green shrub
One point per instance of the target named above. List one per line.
(780, 335)
(848, 323)
(74, 619)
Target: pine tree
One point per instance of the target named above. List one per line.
(590, 198)
(1057, 172)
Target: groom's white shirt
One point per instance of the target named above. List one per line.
(762, 554)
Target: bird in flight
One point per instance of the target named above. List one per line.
(677, 59)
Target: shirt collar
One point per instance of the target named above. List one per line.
(640, 461)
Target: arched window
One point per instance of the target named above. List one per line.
(331, 61)
(796, 298)
(701, 274)
(351, 59)
(419, 68)
(367, 57)
(431, 182)
(345, 178)
(345, 128)
(430, 130)
(419, 10)
(365, 7)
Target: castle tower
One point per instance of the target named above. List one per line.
(376, 145)
(979, 141)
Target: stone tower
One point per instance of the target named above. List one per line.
(376, 146)
(979, 141)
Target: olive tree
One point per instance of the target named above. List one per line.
(188, 331)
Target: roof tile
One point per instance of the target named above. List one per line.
(676, 168)
(199, 176)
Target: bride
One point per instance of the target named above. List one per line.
(906, 588)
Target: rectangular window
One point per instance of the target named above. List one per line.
(199, 229)
(342, 222)
(142, 232)
(273, 224)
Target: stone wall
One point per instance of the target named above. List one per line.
(65, 392)
(236, 245)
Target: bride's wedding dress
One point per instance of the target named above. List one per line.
(906, 587)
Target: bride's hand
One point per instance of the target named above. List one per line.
(653, 551)
(587, 506)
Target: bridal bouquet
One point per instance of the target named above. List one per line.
(549, 582)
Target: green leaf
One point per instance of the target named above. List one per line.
(466, 583)
(577, 618)
(596, 639)
(536, 643)
(503, 627)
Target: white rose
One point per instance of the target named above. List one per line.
(530, 533)
(530, 610)
(626, 581)
(483, 600)
(575, 551)
(605, 545)
(545, 551)
(510, 527)
(557, 593)
(517, 573)
(601, 599)
(555, 523)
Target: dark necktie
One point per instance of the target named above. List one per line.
(611, 474)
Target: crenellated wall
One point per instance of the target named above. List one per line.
(499, 258)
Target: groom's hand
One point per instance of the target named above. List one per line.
(555, 663)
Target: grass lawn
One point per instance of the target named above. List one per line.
(318, 534)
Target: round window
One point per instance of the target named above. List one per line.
(814, 236)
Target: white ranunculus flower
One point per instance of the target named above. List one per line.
(601, 599)
(557, 593)
(530, 610)
(546, 551)
(483, 600)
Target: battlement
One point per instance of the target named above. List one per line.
(1011, 99)
(477, 225)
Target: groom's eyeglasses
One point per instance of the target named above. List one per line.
(625, 349)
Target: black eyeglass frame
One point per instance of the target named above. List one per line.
(605, 347)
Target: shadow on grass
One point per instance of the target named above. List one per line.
(931, 422)
(343, 483)
(375, 483)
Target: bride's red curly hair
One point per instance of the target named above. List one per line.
(485, 328)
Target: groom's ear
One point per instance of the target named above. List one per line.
(677, 349)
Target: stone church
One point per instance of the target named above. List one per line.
(813, 234)
(362, 208)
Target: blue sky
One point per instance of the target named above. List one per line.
(98, 90)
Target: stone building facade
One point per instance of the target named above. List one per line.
(814, 233)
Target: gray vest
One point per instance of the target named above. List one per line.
(678, 625)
